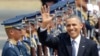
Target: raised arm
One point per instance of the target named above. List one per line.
(46, 18)
(43, 36)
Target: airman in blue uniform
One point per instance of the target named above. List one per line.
(26, 40)
(10, 47)
(14, 46)
(22, 48)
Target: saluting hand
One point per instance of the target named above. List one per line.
(46, 18)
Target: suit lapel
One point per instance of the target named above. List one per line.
(69, 48)
(82, 46)
(68, 45)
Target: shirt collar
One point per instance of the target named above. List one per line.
(12, 41)
(77, 39)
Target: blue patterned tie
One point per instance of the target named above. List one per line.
(73, 48)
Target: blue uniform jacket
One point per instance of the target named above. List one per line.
(22, 48)
(10, 50)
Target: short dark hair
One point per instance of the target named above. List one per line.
(75, 16)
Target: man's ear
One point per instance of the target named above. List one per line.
(11, 31)
(82, 25)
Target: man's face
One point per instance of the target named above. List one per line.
(17, 34)
(74, 27)
(23, 31)
(30, 28)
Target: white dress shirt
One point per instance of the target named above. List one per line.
(77, 40)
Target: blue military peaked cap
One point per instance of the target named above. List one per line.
(32, 21)
(59, 13)
(39, 18)
(14, 22)
(20, 26)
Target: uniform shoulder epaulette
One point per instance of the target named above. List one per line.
(11, 45)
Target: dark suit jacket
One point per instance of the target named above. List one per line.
(63, 44)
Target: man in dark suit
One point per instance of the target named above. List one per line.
(71, 43)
